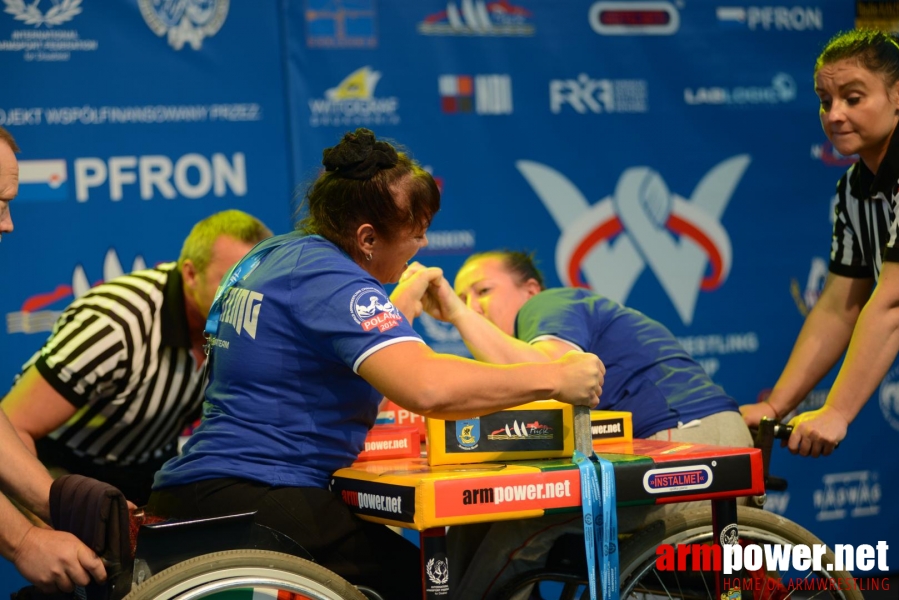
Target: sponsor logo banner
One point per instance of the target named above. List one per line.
(505, 494)
(499, 18)
(186, 22)
(507, 431)
(394, 502)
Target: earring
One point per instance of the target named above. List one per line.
(368, 257)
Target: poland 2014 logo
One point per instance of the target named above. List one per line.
(643, 222)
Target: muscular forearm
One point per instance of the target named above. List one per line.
(13, 527)
(874, 345)
(21, 475)
(454, 387)
(488, 343)
(822, 340)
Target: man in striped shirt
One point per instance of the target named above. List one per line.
(51, 560)
(121, 374)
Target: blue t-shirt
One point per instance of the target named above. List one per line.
(648, 373)
(284, 405)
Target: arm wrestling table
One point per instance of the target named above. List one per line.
(409, 493)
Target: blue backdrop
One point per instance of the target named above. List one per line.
(666, 154)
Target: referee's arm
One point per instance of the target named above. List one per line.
(35, 408)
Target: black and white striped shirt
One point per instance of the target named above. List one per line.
(121, 354)
(865, 226)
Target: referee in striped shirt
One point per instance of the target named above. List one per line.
(121, 374)
(857, 82)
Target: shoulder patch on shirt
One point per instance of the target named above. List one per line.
(372, 310)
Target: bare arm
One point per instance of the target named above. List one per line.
(489, 344)
(51, 560)
(35, 408)
(821, 342)
(22, 476)
(484, 340)
(872, 349)
(450, 387)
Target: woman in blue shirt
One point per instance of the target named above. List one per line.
(307, 344)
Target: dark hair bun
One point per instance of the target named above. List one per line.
(359, 155)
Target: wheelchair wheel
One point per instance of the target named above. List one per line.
(246, 574)
(640, 579)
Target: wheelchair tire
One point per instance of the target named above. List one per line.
(221, 573)
(638, 553)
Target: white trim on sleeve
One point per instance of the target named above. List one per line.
(541, 338)
(373, 349)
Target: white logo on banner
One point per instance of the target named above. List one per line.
(781, 90)
(889, 398)
(642, 223)
(190, 176)
(30, 14)
(854, 494)
(476, 17)
(586, 94)
(187, 21)
(47, 44)
(353, 102)
(34, 319)
(790, 18)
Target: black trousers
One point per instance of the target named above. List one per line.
(135, 481)
(363, 553)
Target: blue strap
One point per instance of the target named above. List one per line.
(600, 524)
(608, 558)
(241, 270)
(590, 504)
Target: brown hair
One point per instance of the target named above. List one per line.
(876, 51)
(368, 181)
(521, 265)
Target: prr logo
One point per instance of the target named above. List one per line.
(888, 395)
(643, 222)
(586, 94)
(854, 494)
(187, 21)
(634, 18)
